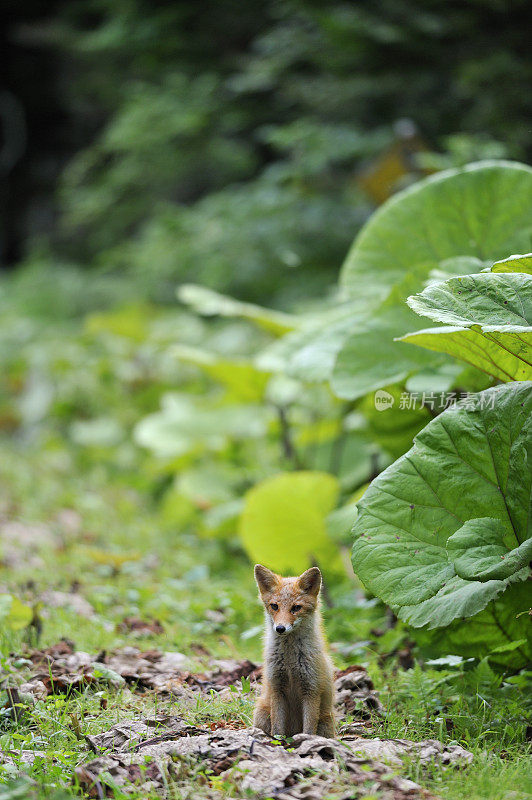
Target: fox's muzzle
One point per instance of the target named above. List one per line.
(282, 628)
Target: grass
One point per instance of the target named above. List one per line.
(126, 560)
(473, 708)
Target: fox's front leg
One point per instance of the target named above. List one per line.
(326, 725)
(279, 714)
(262, 715)
(311, 713)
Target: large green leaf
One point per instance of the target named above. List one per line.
(482, 210)
(471, 462)
(483, 299)
(500, 624)
(187, 424)
(504, 355)
(364, 363)
(309, 352)
(478, 552)
(514, 264)
(284, 521)
(491, 315)
(210, 303)
(241, 378)
(465, 217)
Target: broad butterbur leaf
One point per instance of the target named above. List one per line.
(364, 364)
(468, 217)
(417, 519)
(491, 319)
(503, 355)
(482, 210)
(518, 263)
(482, 299)
(478, 551)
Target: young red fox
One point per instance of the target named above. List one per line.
(297, 689)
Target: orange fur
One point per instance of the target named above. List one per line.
(297, 690)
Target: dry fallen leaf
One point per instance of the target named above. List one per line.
(151, 753)
(355, 693)
(140, 627)
(61, 668)
(307, 767)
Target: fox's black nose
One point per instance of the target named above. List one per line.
(280, 628)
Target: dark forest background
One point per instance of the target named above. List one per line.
(227, 142)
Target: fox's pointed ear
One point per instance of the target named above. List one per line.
(310, 581)
(266, 579)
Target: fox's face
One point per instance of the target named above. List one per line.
(288, 601)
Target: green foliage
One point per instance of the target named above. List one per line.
(309, 352)
(394, 428)
(368, 358)
(514, 264)
(435, 552)
(491, 315)
(447, 216)
(479, 211)
(467, 699)
(223, 145)
(14, 615)
(483, 299)
(155, 122)
(185, 424)
(210, 303)
(477, 550)
(420, 235)
(481, 348)
(157, 450)
(240, 377)
(246, 416)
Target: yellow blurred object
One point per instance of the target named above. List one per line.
(114, 560)
(129, 321)
(381, 177)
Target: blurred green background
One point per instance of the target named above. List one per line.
(187, 381)
(239, 147)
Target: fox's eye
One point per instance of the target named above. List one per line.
(295, 609)
(274, 607)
